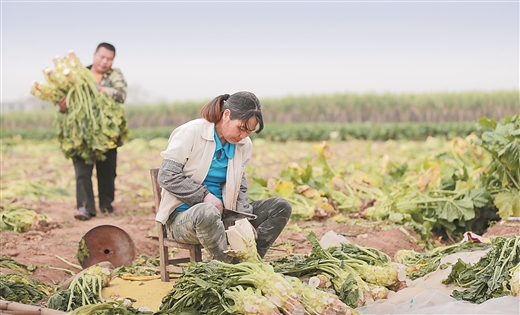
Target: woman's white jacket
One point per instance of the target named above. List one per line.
(193, 146)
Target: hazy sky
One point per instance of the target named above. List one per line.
(187, 50)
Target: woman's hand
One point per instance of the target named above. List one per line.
(211, 199)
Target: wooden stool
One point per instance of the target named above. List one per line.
(165, 242)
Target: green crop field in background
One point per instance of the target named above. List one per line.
(318, 117)
(304, 131)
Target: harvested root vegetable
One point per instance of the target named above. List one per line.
(515, 280)
(249, 302)
(319, 302)
(241, 239)
(320, 281)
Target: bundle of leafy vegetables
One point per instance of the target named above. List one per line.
(18, 288)
(367, 255)
(8, 262)
(199, 287)
(31, 188)
(420, 264)
(16, 217)
(142, 265)
(357, 274)
(245, 288)
(491, 276)
(202, 287)
(347, 285)
(85, 289)
(120, 307)
(94, 123)
(502, 177)
(374, 266)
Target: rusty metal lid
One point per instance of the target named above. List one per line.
(108, 243)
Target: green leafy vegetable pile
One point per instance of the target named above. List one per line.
(356, 273)
(120, 307)
(502, 178)
(18, 288)
(142, 265)
(420, 264)
(245, 288)
(496, 274)
(15, 217)
(9, 263)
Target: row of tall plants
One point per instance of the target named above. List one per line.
(281, 132)
(338, 108)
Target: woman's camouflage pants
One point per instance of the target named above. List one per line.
(202, 224)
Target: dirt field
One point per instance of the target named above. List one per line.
(41, 246)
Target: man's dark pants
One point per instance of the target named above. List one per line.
(106, 175)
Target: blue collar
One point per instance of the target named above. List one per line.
(228, 149)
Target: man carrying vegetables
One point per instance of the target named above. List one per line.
(110, 81)
(202, 175)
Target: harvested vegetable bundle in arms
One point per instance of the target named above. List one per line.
(94, 123)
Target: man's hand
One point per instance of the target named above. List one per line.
(210, 198)
(62, 103)
(100, 88)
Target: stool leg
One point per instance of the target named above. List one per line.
(163, 257)
(196, 253)
(163, 253)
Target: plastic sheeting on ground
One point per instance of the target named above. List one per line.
(428, 295)
(437, 302)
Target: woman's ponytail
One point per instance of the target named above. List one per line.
(212, 111)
